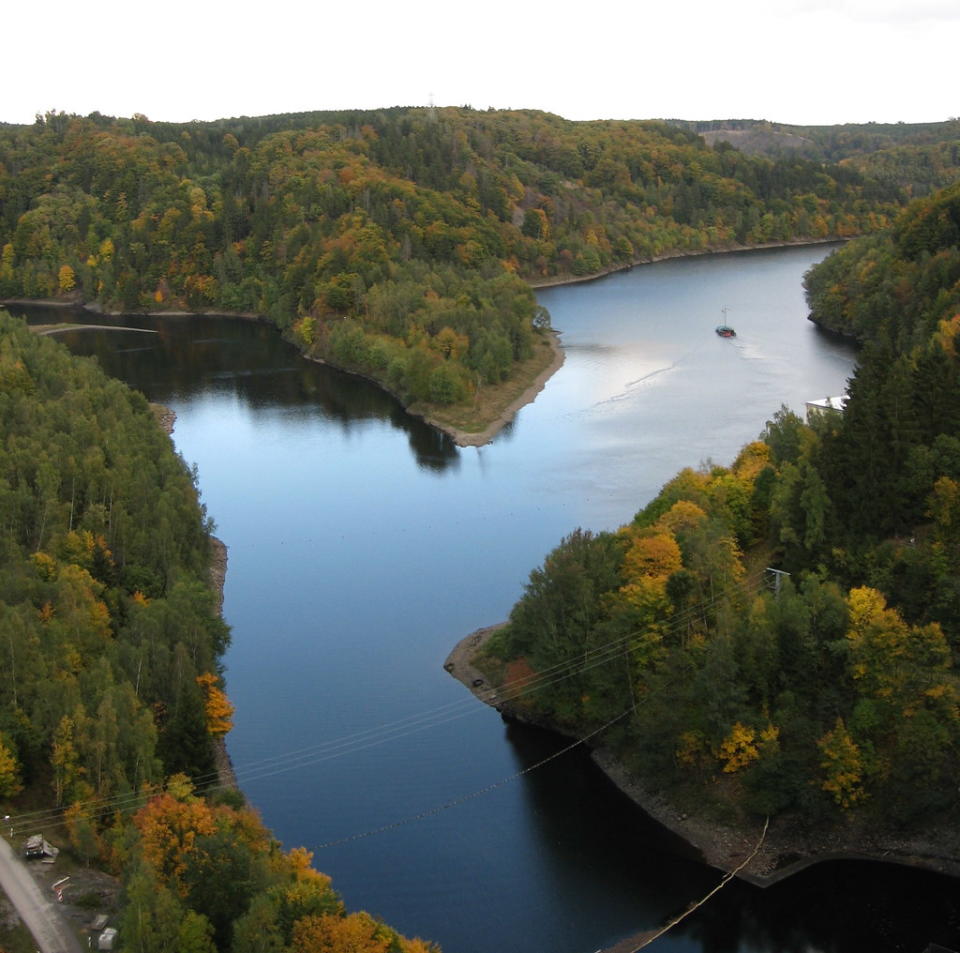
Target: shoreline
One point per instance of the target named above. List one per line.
(226, 776)
(785, 851)
(471, 438)
(464, 438)
(461, 438)
(556, 281)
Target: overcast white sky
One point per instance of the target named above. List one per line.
(793, 61)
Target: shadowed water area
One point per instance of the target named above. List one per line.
(364, 544)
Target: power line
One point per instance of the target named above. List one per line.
(474, 794)
(367, 738)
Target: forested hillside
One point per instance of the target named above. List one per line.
(393, 242)
(111, 694)
(826, 692)
(107, 613)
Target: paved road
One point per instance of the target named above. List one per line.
(41, 915)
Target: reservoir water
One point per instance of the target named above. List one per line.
(363, 545)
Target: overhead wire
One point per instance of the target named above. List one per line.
(381, 734)
(456, 802)
(377, 735)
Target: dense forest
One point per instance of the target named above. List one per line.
(111, 695)
(402, 243)
(399, 242)
(780, 636)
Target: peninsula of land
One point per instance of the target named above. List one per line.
(786, 850)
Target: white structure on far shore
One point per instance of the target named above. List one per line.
(826, 406)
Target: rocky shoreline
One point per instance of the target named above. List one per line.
(226, 775)
(785, 851)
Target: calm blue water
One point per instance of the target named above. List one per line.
(363, 545)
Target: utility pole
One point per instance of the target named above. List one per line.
(777, 580)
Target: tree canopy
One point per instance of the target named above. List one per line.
(396, 242)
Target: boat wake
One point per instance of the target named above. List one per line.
(631, 386)
(652, 374)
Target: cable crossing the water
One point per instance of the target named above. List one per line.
(637, 942)
(412, 818)
(599, 655)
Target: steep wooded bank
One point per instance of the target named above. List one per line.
(824, 695)
(111, 695)
(392, 242)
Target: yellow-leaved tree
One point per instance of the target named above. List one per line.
(842, 765)
(891, 660)
(333, 934)
(9, 770)
(67, 279)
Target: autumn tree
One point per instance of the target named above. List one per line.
(10, 783)
(842, 766)
(170, 829)
(354, 933)
(218, 709)
(66, 279)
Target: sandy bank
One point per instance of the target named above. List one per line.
(463, 438)
(787, 848)
(469, 438)
(459, 662)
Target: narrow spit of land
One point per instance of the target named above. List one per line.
(785, 850)
(60, 328)
(510, 399)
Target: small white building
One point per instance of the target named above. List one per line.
(826, 406)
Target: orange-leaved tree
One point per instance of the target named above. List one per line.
(169, 832)
(218, 708)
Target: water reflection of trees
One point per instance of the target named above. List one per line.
(834, 907)
(640, 873)
(246, 359)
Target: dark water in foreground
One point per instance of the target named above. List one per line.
(363, 545)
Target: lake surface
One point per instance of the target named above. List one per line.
(363, 545)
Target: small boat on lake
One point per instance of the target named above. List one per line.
(724, 330)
